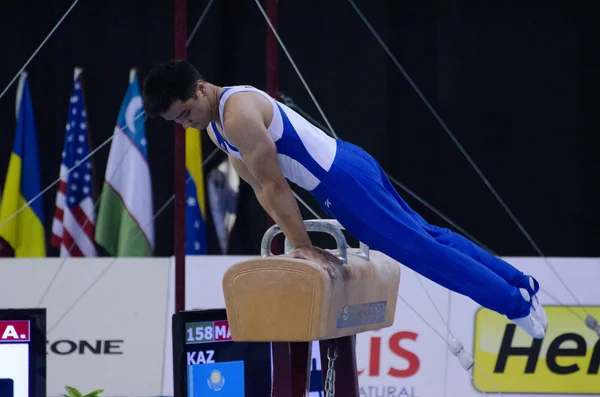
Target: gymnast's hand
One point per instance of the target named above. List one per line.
(326, 259)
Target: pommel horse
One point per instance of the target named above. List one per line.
(292, 302)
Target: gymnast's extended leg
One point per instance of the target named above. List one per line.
(458, 242)
(357, 196)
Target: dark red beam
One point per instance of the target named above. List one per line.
(180, 33)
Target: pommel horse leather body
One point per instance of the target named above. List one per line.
(292, 302)
(279, 298)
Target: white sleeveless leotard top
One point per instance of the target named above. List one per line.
(304, 151)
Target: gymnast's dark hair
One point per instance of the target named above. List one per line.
(168, 82)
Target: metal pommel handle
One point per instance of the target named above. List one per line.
(314, 225)
(363, 251)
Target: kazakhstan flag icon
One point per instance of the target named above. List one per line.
(216, 379)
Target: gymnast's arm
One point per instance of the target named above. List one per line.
(245, 128)
(314, 254)
(243, 172)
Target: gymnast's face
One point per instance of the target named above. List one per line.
(196, 112)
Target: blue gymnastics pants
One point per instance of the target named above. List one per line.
(359, 195)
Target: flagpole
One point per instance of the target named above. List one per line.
(22, 79)
(180, 33)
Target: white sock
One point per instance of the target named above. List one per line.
(538, 312)
(536, 308)
(529, 324)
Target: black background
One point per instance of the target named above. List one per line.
(517, 83)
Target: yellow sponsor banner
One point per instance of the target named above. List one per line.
(566, 361)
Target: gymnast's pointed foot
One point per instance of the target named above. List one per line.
(533, 287)
(538, 312)
(537, 309)
(530, 323)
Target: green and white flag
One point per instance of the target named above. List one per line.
(125, 225)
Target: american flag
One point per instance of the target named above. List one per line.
(73, 227)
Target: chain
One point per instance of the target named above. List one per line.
(330, 379)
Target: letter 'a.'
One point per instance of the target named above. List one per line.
(10, 332)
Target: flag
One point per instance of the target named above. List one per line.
(224, 379)
(74, 217)
(125, 225)
(23, 232)
(223, 187)
(195, 211)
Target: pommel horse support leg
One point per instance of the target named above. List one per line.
(292, 302)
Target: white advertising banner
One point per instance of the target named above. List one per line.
(118, 335)
(411, 358)
(112, 337)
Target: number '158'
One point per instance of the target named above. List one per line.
(200, 333)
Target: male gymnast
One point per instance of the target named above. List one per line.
(268, 144)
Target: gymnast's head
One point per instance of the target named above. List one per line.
(176, 91)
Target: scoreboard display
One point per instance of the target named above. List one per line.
(22, 352)
(206, 362)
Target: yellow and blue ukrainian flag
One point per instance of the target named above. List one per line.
(24, 232)
(195, 213)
